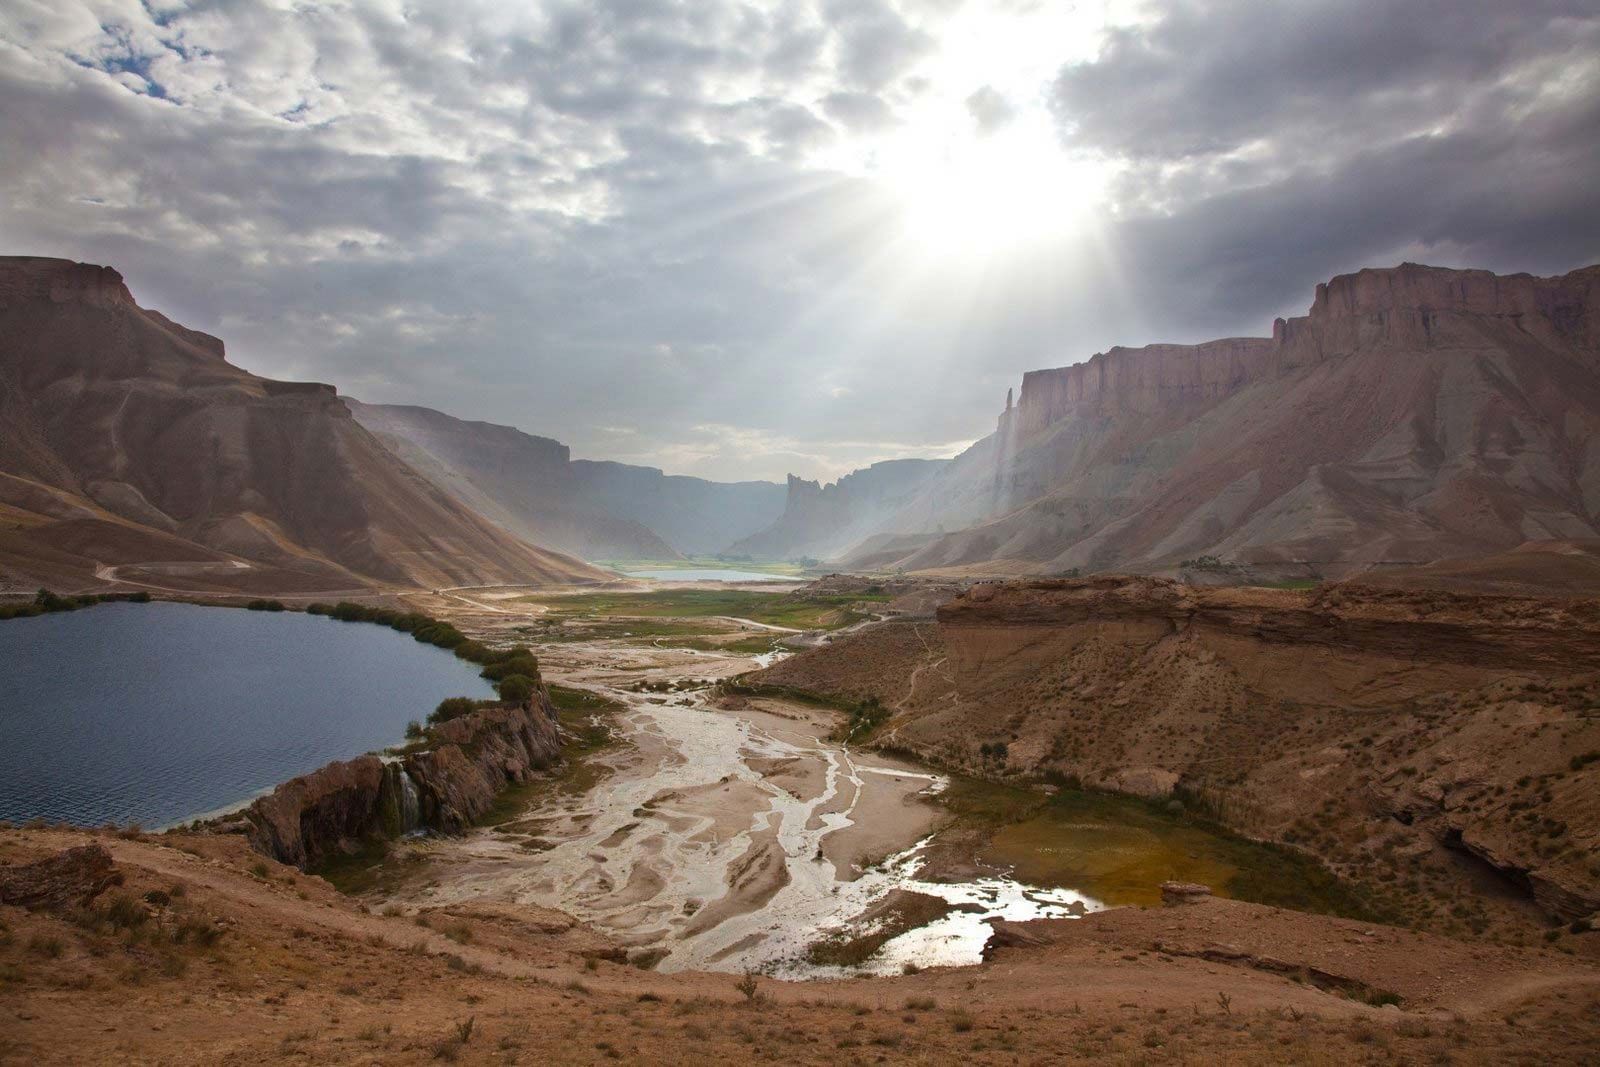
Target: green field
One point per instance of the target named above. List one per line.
(820, 612)
(777, 570)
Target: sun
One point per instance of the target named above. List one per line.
(961, 192)
(974, 161)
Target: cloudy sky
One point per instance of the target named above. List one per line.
(738, 240)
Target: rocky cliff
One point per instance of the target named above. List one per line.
(1355, 722)
(446, 785)
(130, 449)
(1414, 414)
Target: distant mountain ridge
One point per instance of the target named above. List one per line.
(1415, 413)
(820, 521)
(131, 449)
(591, 508)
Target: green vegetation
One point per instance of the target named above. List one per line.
(516, 689)
(755, 645)
(449, 708)
(796, 611)
(865, 717)
(789, 569)
(265, 605)
(45, 602)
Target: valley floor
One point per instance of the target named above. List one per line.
(192, 949)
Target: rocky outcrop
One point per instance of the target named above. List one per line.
(129, 442)
(1178, 894)
(446, 786)
(71, 878)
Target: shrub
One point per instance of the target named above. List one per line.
(125, 912)
(264, 605)
(452, 708)
(517, 689)
(516, 660)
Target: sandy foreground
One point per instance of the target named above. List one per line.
(300, 974)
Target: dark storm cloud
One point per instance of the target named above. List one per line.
(1270, 145)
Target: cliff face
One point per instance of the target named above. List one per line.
(445, 787)
(1350, 720)
(130, 445)
(1414, 414)
(822, 521)
(596, 510)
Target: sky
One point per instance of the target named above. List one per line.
(741, 240)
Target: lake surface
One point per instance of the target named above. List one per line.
(706, 574)
(156, 713)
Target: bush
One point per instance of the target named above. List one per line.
(453, 708)
(517, 689)
(514, 661)
(264, 605)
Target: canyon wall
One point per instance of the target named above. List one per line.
(1350, 721)
(445, 786)
(1414, 414)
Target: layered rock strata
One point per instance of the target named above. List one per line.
(1358, 723)
(446, 786)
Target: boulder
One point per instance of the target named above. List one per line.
(1176, 894)
(71, 878)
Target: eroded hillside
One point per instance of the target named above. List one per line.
(130, 449)
(1441, 749)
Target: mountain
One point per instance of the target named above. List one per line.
(131, 449)
(593, 509)
(514, 478)
(821, 521)
(1415, 414)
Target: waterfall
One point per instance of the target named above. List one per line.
(410, 803)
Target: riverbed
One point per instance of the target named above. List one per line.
(725, 834)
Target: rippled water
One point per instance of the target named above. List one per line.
(155, 713)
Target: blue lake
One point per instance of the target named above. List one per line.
(156, 713)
